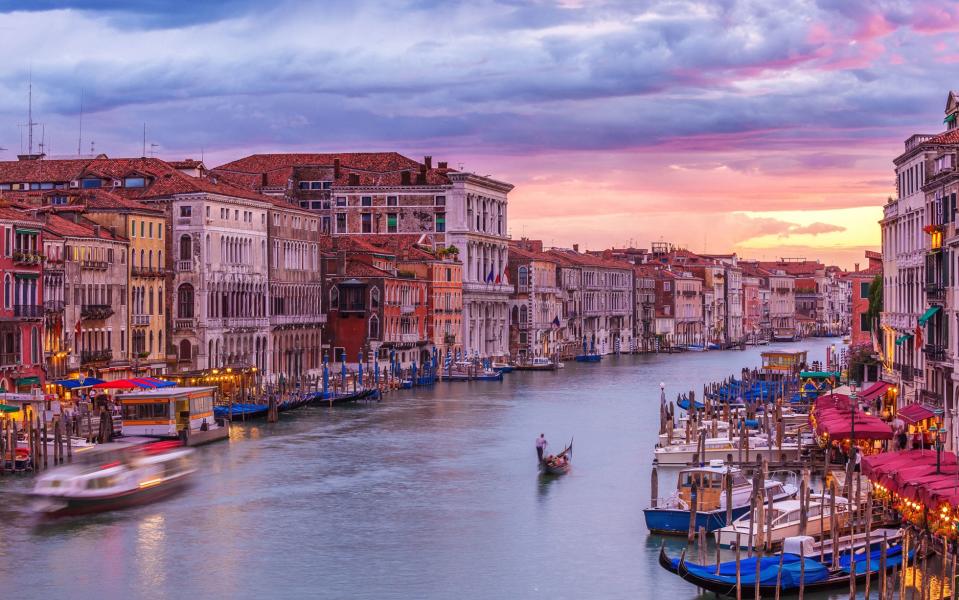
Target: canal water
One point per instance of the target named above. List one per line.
(431, 493)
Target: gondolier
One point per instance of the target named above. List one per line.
(541, 445)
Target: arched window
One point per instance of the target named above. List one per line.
(184, 297)
(160, 347)
(374, 327)
(35, 345)
(185, 350)
(186, 248)
(151, 303)
(143, 262)
(374, 298)
(133, 257)
(6, 291)
(515, 316)
(523, 315)
(151, 341)
(150, 259)
(208, 247)
(334, 298)
(521, 275)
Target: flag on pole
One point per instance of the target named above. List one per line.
(505, 276)
(489, 278)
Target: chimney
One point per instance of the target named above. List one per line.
(575, 247)
(428, 161)
(421, 177)
(354, 179)
(405, 178)
(336, 168)
(96, 231)
(442, 165)
(856, 267)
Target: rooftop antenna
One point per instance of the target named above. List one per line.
(152, 146)
(80, 134)
(93, 148)
(43, 138)
(30, 122)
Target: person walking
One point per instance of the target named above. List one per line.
(541, 446)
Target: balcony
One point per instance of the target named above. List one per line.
(95, 312)
(409, 338)
(96, 356)
(935, 353)
(935, 292)
(184, 266)
(245, 322)
(449, 339)
(27, 311)
(27, 258)
(407, 309)
(297, 319)
(94, 265)
(147, 272)
(52, 306)
(140, 320)
(183, 324)
(9, 359)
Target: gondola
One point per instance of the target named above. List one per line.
(328, 398)
(559, 464)
(815, 574)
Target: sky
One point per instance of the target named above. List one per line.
(765, 128)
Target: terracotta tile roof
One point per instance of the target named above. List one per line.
(61, 227)
(10, 213)
(948, 137)
(100, 199)
(357, 268)
(571, 258)
(522, 253)
(799, 268)
(371, 168)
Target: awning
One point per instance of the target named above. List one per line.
(915, 412)
(119, 384)
(28, 381)
(928, 314)
(817, 374)
(902, 338)
(72, 384)
(8, 408)
(27, 231)
(25, 275)
(950, 118)
(876, 389)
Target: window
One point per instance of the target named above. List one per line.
(304, 185)
(367, 221)
(374, 298)
(315, 205)
(88, 184)
(134, 182)
(334, 298)
(340, 222)
(186, 248)
(440, 222)
(150, 231)
(521, 276)
(186, 211)
(864, 323)
(667, 286)
(864, 289)
(142, 229)
(184, 297)
(391, 223)
(439, 200)
(374, 327)
(449, 274)
(366, 201)
(391, 200)
(341, 200)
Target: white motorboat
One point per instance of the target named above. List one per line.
(719, 448)
(114, 476)
(786, 522)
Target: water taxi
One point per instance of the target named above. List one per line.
(538, 363)
(671, 515)
(183, 412)
(114, 476)
(786, 522)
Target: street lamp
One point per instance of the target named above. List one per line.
(940, 438)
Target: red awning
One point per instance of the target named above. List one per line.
(119, 384)
(915, 412)
(873, 391)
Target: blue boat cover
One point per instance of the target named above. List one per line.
(768, 571)
(893, 557)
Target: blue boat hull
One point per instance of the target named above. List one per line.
(589, 358)
(676, 522)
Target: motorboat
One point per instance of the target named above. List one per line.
(679, 454)
(504, 367)
(538, 363)
(672, 515)
(786, 522)
(114, 476)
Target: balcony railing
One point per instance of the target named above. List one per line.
(27, 311)
(94, 356)
(449, 339)
(147, 272)
(409, 338)
(935, 352)
(95, 312)
(407, 309)
(181, 324)
(935, 291)
(27, 258)
(141, 320)
(52, 305)
(184, 266)
(94, 265)
(9, 359)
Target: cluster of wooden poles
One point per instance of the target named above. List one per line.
(36, 431)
